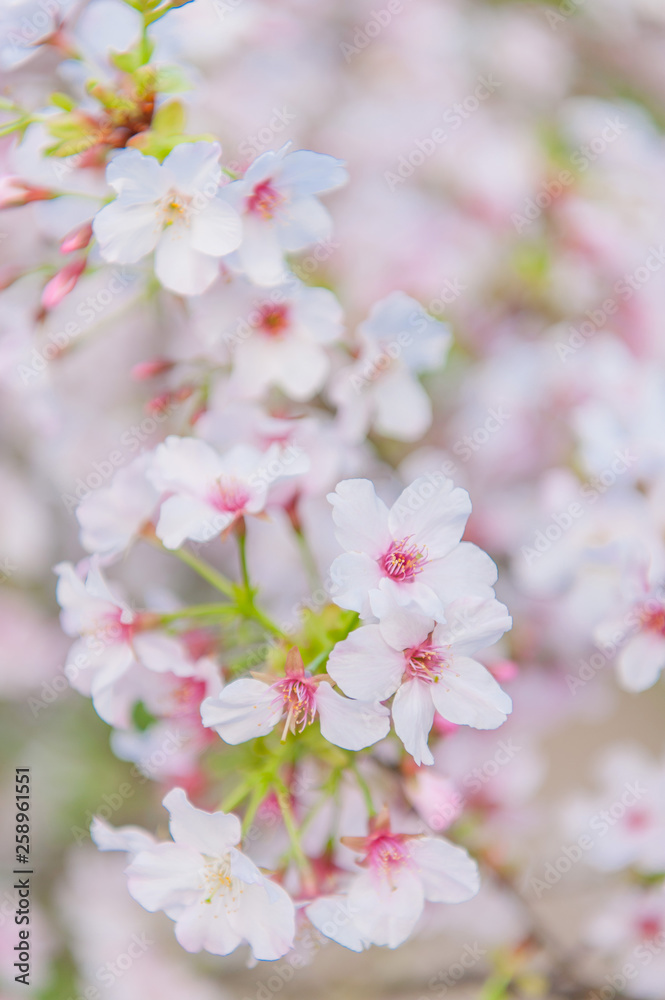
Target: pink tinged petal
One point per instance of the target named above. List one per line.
(120, 838)
(353, 575)
(302, 222)
(413, 715)
(137, 178)
(386, 908)
(195, 167)
(266, 920)
(641, 660)
(205, 926)
(111, 664)
(302, 370)
(164, 876)
(244, 710)
(209, 833)
(330, 915)
(126, 233)
(318, 314)
(216, 229)
(468, 695)
(434, 514)
(350, 724)
(400, 628)
(361, 519)
(309, 173)
(364, 666)
(447, 872)
(182, 517)
(411, 595)
(111, 517)
(472, 624)
(402, 408)
(467, 571)
(184, 464)
(180, 267)
(260, 253)
(162, 653)
(264, 166)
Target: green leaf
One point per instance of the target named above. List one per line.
(171, 80)
(169, 119)
(141, 717)
(63, 101)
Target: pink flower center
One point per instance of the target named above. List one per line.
(387, 852)
(637, 819)
(649, 927)
(263, 200)
(187, 697)
(653, 619)
(274, 320)
(425, 662)
(113, 629)
(403, 561)
(229, 495)
(298, 695)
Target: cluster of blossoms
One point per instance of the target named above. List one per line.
(271, 439)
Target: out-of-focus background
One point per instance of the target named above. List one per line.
(507, 169)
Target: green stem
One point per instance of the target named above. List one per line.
(308, 561)
(196, 611)
(242, 549)
(235, 797)
(364, 788)
(290, 824)
(255, 801)
(208, 572)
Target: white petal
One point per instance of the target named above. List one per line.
(400, 628)
(260, 253)
(330, 915)
(365, 666)
(448, 873)
(468, 695)
(353, 575)
(137, 178)
(162, 653)
(123, 838)
(402, 408)
(641, 660)
(244, 709)
(350, 724)
(216, 229)
(195, 167)
(184, 464)
(301, 223)
(386, 910)
(311, 173)
(266, 920)
(182, 517)
(466, 571)
(166, 875)
(361, 519)
(126, 233)
(413, 715)
(433, 514)
(472, 624)
(179, 266)
(205, 926)
(211, 834)
(413, 596)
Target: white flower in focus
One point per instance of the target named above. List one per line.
(217, 897)
(172, 208)
(399, 340)
(249, 707)
(411, 552)
(112, 517)
(280, 211)
(427, 667)
(282, 344)
(209, 492)
(400, 872)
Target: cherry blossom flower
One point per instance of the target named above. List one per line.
(427, 666)
(112, 516)
(209, 492)
(112, 639)
(250, 707)
(280, 213)
(398, 341)
(283, 343)
(401, 871)
(173, 209)
(217, 897)
(411, 552)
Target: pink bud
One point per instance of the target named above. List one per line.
(149, 369)
(503, 670)
(78, 239)
(15, 192)
(62, 283)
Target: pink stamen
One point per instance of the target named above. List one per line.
(263, 200)
(298, 695)
(229, 495)
(274, 319)
(425, 662)
(403, 561)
